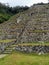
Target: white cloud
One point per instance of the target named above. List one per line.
(22, 2)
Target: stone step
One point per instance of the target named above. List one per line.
(6, 52)
(13, 45)
(11, 48)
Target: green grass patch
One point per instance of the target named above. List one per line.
(39, 31)
(25, 59)
(7, 40)
(35, 43)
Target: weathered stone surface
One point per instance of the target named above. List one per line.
(33, 49)
(29, 26)
(3, 46)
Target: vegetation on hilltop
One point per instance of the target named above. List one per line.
(6, 11)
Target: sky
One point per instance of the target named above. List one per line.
(22, 2)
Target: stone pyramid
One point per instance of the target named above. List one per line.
(28, 26)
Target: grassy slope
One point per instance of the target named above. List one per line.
(25, 59)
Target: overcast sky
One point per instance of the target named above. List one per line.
(22, 2)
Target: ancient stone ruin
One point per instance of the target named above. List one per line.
(27, 27)
(33, 49)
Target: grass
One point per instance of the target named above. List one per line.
(6, 41)
(25, 59)
(35, 43)
(39, 31)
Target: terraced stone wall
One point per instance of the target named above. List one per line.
(33, 49)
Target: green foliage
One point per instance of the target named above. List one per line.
(6, 11)
(39, 4)
(4, 17)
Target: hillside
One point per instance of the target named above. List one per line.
(6, 11)
(29, 26)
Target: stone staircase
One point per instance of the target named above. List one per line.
(9, 49)
(39, 49)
